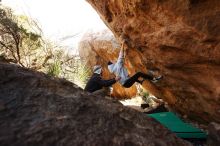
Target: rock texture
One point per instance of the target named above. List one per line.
(98, 48)
(180, 39)
(214, 134)
(38, 110)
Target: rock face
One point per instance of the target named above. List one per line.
(38, 110)
(214, 134)
(99, 48)
(178, 38)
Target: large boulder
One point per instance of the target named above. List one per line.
(36, 109)
(178, 38)
(214, 134)
(98, 48)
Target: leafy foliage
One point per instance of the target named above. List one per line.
(18, 42)
(22, 42)
(10, 35)
(80, 73)
(54, 69)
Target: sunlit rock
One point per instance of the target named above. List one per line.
(179, 39)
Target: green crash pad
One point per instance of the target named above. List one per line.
(176, 125)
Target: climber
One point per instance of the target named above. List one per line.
(96, 82)
(119, 70)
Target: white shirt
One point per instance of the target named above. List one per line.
(118, 69)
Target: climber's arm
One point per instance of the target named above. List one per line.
(121, 55)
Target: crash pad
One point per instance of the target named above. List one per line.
(176, 125)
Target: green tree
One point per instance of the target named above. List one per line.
(22, 42)
(10, 36)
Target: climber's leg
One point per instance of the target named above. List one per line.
(135, 77)
(151, 77)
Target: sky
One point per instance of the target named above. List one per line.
(60, 18)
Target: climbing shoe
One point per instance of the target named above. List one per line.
(156, 79)
(151, 72)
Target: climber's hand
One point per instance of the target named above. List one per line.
(117, 78)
